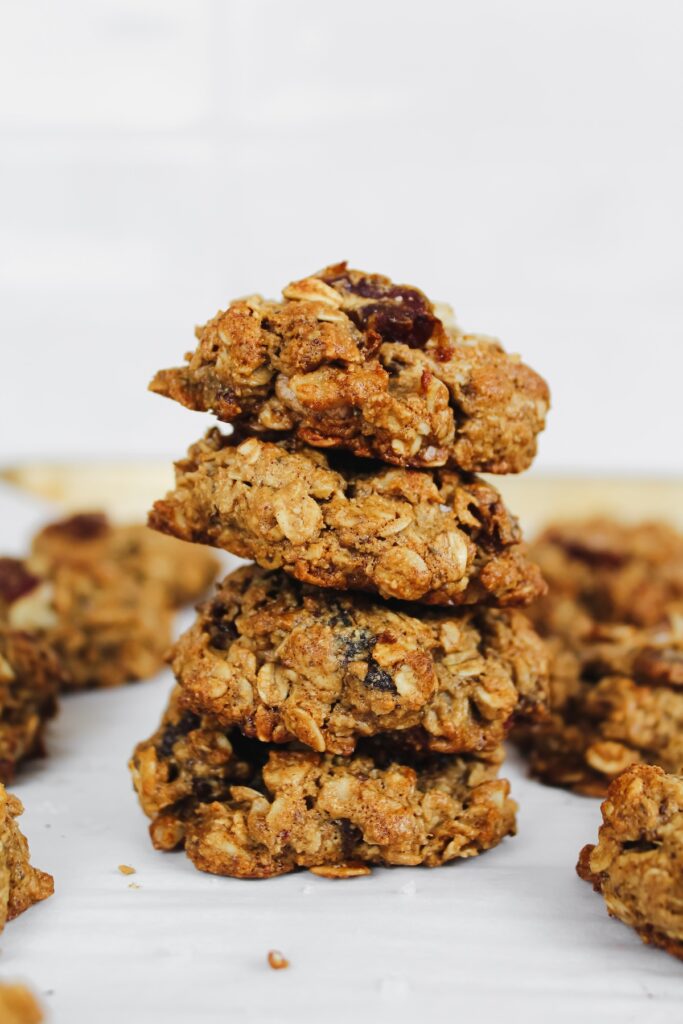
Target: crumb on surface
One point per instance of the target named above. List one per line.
(276, 960)
(126, 869)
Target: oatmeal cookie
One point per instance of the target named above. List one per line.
(605, 571)
(102, 596)
(636, 864)
(182, 572)
(21, 885)
(433, 536)
(285, 661)
(250, 810)
(18, 1006)
(350, 360)
(614, 702)
(30, 679)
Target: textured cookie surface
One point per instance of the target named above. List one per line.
(250, 810)
(286, 661)
(30, 679)
(102, 596)
(351, 360)
(438, 537)
(636, 864)
(21, 885)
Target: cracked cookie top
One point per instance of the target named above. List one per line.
(350, 360)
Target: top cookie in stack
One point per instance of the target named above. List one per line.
(350, 360)
(317, 727)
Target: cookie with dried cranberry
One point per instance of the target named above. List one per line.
(636, 864)
(295, 809)
(350, 360)
(285, 661)
(102, 596)
(335, 521)
(30, 680)
(21, 885)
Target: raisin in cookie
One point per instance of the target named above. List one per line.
(351, 360)
(433, 536)
(636, 864)
(285, 661)
(295, 809)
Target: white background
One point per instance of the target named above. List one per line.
(522, 160)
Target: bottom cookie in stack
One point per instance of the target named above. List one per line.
(254, 810)
(613, 622)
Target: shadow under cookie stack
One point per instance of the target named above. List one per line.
(343, 702)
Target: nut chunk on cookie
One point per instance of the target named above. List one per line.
(30, 678)
(637, 864)
(102, 596)
(351, 360)
(251, 810)
(285, 661)
(336, 521)
(21, 885)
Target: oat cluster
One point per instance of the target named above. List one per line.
(342, 703)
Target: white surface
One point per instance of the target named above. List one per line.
(513, 935)
(521, 160)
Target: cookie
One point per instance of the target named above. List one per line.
(21, 885)
(285, 661)
(182, 572)
(250, 810)
(30, 679)
(606, 571)
(102, 597)
(636, 864)
(350, 360)
(437, 537)
(617, 703)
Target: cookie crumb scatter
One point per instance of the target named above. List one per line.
(126, 869)
(134, 885)
(276, 960)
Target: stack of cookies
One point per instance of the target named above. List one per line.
(343, 702)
